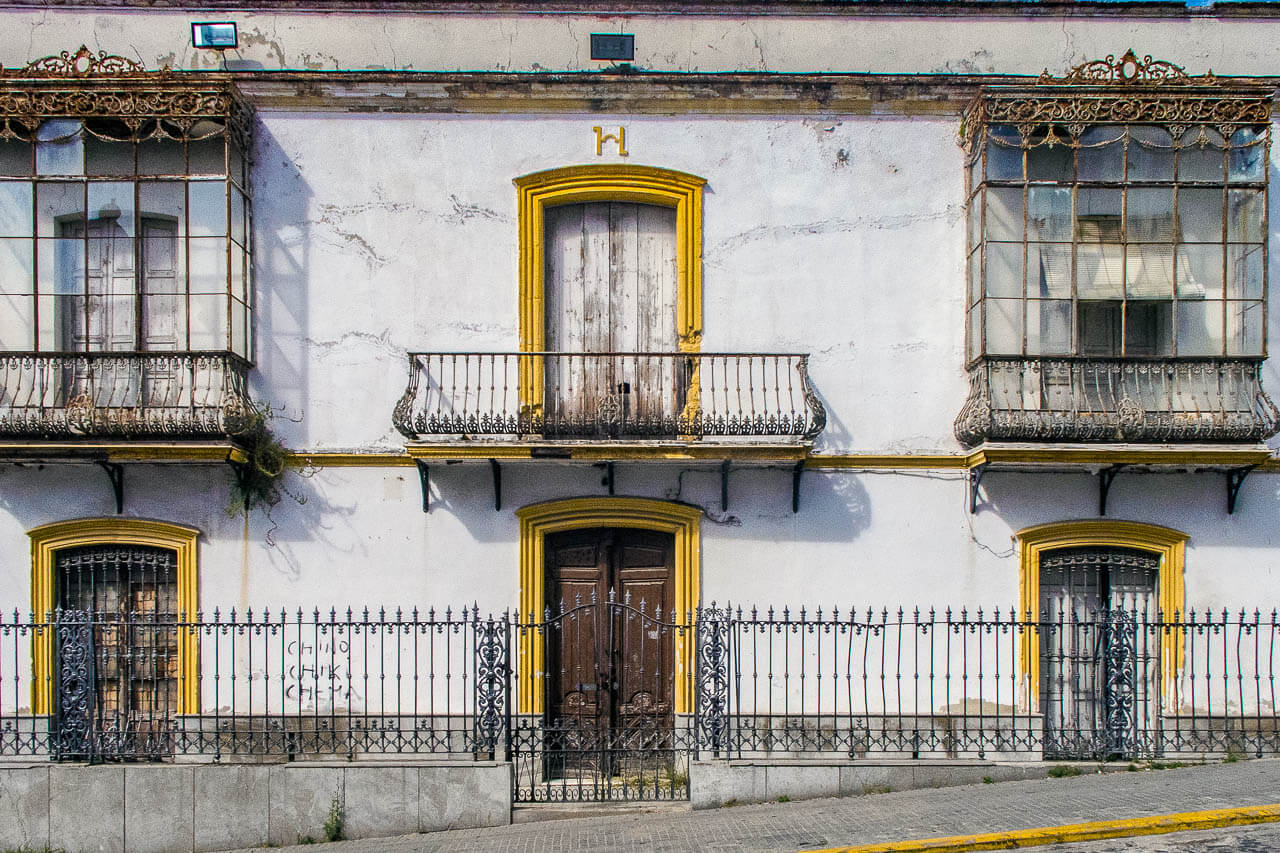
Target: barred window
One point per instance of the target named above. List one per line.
(1125, 240)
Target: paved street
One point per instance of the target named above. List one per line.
(900, 816)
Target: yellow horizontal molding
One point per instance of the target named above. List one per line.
(122, 451)
(1076, 832)
(1086, 455)
(611, 452)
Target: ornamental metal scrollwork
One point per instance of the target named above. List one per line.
(1128, 70)
(73, 737)
(1120, 655)
(491, 678)
(713, 679)
(83, 63)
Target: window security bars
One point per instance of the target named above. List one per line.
(611, 395)
(137, 395)
(1097, 684)
(1061, 399)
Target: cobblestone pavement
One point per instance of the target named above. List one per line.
(894, 816)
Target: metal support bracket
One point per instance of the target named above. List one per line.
(115, 473)
(1105, 477)
(608, 476)
(795, 485)
(425, 479)
(1235, 479)
(975, 480)
(497, 484)
(724, 486)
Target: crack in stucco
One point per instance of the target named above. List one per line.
(380, 342)
(463, 211)
(832, 226)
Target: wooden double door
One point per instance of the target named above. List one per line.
(610, 647)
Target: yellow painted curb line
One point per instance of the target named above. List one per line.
(1071, 833)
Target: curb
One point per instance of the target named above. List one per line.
(1070, 833)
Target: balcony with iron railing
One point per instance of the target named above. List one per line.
(123, 396)
(1116, 400)
(609, 398)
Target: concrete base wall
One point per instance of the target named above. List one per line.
(714, 783)
(143, 808)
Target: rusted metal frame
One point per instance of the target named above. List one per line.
(1106, 477)
(1235, 479)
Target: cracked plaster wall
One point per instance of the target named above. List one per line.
(967, 44)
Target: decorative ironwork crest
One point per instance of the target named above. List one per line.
(492, 675)
(75, 684)
(1128, 70)
(713, 678)
(1122, 683)
(84, 63)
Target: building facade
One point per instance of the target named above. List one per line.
(947, 324)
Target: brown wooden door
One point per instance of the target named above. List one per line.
(610, 647)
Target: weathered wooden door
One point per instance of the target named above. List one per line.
(1099, 669)
(610, 287)
(610, 648)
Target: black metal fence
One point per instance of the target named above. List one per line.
(611, 698)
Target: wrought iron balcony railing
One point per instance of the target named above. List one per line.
(610, 396)
(1083, 399)
(135, 395)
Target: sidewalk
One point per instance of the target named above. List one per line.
(875, 818)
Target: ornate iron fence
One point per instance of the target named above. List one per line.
(843, 684)
(602, 396)
(131, 395)
(1085, 399)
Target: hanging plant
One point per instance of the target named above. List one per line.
(258, 478)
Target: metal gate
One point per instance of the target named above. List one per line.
(1099, 675)
(611, 731)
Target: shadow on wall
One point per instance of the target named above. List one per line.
(833, 508)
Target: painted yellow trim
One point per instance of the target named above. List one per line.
(1077, 832)
(124, 451)
(1168, 544)
(1172, 456)
(873, 461)
(48, 539)
(538, 520)
(605, 182)
(609, 451)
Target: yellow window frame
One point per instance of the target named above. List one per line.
(604, 182)
(48, 539)
(538, 520)
(1167, 544)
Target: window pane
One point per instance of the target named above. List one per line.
(1201, 156)
(238, 343)
(1004, 269)
(60, 148)
(237, 274)
(17, 272)
(1100, 328)
(1244, 216)
(112, 202)
(164, 200)
(237, 216)
(973, 335)
(1004, 326)
(1049, 213)
(1004, 213)
(1056, 163)
(208, 322)
(975, 220)
(1147, 330)
(208, 201)
(1049, 268)
(17, 321)
(208, 264)
(1149, 271)
(1150, 154)
(1004, 154)
(1200, 215)
(15, 209)
(975, 276)
(975, 172)
(164, 319)
(1099, 271)
(1200, 328)
(1199, 271)
(1098, 215)
(1244, 328)
(1245, 157)
(1101, 155)
(1048, 326)
(1244, 272)
(207, 156)
(60, 209)
(1150, 214)
(237, 168)
(109, 157)
(15, 157)
(160, 156)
